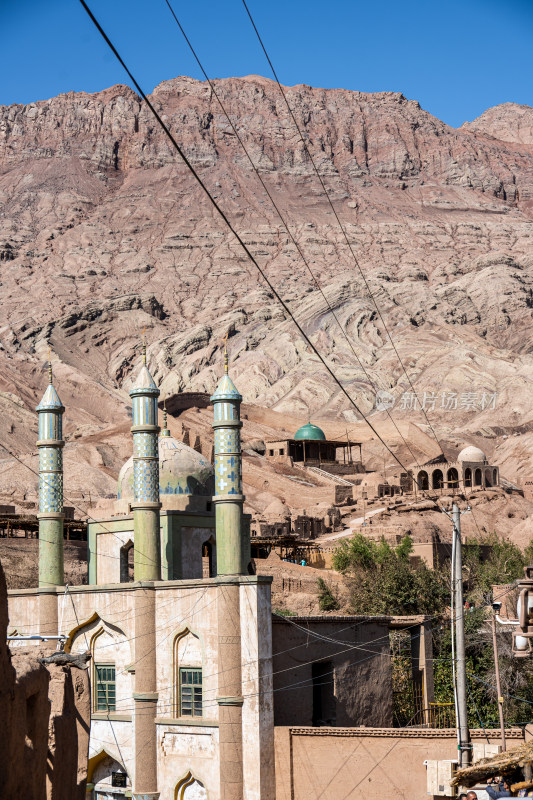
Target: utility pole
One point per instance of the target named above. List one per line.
(497, 667)
(461, 708)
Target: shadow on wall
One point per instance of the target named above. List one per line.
(45, 714)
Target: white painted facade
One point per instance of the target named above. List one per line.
(101, 619)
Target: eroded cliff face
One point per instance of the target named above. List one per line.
(104, 232)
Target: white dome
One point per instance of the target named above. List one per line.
(473, 455)
(182, 471)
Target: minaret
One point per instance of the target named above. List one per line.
(51, 516)
(146, 505)
(228, 497)
(147, 569)
(228, 501)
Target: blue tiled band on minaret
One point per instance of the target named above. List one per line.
(145, 505)
(145, 439)
(228, 497)
(50, 444)
(227, 426)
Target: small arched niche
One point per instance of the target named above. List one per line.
(437, 479)
(208, 558)
(101, 769)
(453, 478)
(423, 480)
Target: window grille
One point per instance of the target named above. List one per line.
(190, 700)
(105, 693)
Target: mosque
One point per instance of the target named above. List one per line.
(189, 675)
(168, 610)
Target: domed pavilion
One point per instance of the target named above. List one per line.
(310, 447)
(470, 471)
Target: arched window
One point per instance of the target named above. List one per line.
(477, 477)
(495, 477)
(468, 477)
(188, 671)
(437, 479)
(126, 563)
(423, 480)
(111, 652)
(488, 478)
(453, 478)
(207, 560)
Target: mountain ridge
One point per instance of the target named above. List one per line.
(103, 233)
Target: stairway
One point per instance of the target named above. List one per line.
(329, 476)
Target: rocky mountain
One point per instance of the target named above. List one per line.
(103, 233)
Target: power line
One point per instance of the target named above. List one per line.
(373, 654)
(280, 215)
(356, 261)
(241, 242)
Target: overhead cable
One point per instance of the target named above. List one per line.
(237, 236)
(349, 244)
(282, 219)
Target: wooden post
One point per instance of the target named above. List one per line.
(498, 685)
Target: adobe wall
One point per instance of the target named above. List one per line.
(45, 718)
(361, 683)
(361, 764)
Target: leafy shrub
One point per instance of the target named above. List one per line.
(326, 599)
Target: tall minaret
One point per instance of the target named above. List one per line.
(228, 497)
(51, 516)
(147, 569)
(228, 501)
(146, 505)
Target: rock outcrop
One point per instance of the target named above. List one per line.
(105, 233)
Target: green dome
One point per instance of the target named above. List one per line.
(310, 432)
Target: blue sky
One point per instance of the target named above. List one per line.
(456, 57)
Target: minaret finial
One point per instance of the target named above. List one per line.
(165, 433)
(144, 346)
(226, 354)
(50, 376)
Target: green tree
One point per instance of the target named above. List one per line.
(384, 579)
(326, 599)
